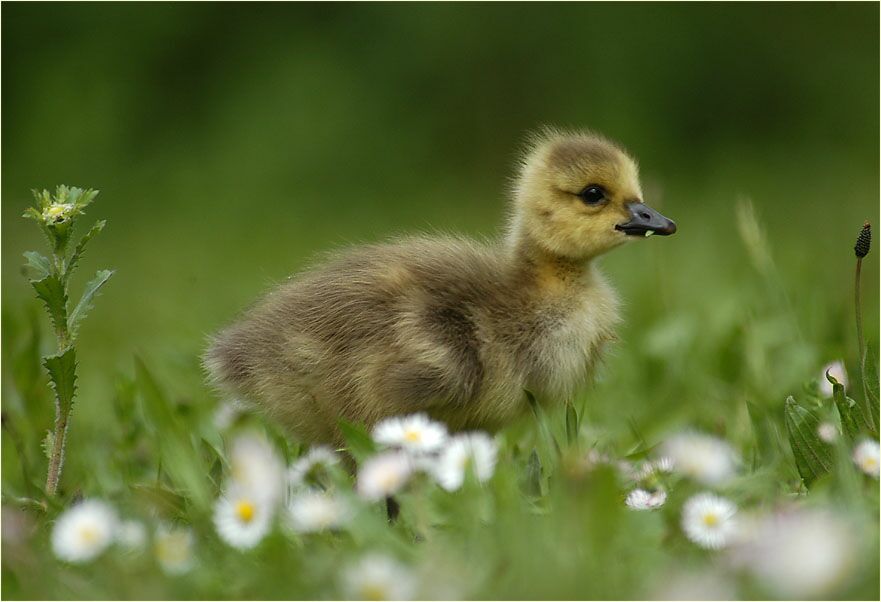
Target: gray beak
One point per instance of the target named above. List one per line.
(645, 221)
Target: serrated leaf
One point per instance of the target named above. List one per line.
(38, 263)
(51, 291)
(532, 478)
(180, 459)
(813, 457)
(81, 246)
(358, 440)
(571, 424)
(85, 302)
(62, 376)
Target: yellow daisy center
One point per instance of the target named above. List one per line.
(172, 548)
(245, 511)
(89, 534)
(413, 436)
(373, 591)
(711, 519)
(869, 463)
(388, 480)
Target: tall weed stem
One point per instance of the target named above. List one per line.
(56, 215)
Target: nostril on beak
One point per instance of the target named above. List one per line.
(645, 215)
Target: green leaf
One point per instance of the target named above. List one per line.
(358, 440)
(51, 291)
(32, 213)
(81, 246)
(547, 438)
(43, 199)
(62, 376)
(85, 303)
(813, 457)
(38, 263)
(571, 424)
(532, 479)
(765, 434)
(157, 409)
(81, 198)
(855, 418)
(169, 504)
(847, 410)
(180, 459)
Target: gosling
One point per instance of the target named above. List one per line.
(444, 325)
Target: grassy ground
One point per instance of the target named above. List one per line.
(706, 333)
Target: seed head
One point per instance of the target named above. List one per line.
(864, 241)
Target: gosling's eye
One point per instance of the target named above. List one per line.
(593, 195)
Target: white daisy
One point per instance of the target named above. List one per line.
(838, 372)
(174, 549)
(662, 465)
(634, 472)
(708, 520)
(317, 511)
(242, 519)
(131, 535)
(595, 458)
(378, 577)
(383, 475)
(477, 450)
(640, 499)
(800, 554)
(226, 413)
(702, 457)
(255, 467)
(827, 432)
(83, 531)
(416, 433)
(304, 470)
(866, 456)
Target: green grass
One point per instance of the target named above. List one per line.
(707, 333)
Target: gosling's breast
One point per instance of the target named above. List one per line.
(574, 335)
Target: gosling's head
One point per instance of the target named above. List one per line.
(578, 195)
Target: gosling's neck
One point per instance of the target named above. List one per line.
(547, 273)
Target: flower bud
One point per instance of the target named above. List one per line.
(864, 241)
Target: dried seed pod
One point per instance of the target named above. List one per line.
(864, 241)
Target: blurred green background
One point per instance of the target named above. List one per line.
(232, 142)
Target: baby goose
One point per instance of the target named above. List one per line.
(448, 326)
